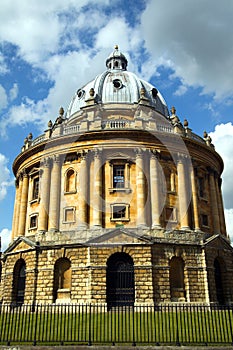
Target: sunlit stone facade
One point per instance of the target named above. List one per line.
(118, 202)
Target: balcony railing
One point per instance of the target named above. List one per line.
(73, 129)
(116, 124)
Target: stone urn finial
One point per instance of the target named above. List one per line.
(50, 124)
(92, 92)
(142, 92)
(186, 124)
(61, 111)
(173, 110)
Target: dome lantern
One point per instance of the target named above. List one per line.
(116, 60)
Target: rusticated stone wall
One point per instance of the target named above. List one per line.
(151, 272)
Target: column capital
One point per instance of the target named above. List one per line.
(181, 158)
(83, 154)
(24, 174)
(212, 171)
(154, 153)
(97, 152)
(139, 152)
(17, 182)
(56, 158)
(46, 162)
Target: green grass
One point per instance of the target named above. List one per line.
(78, 325)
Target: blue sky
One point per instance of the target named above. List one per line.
(49, 49)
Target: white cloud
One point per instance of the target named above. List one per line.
(3, 65)
(222, 138)
(5, 238)
(181, 90)
(13, 93)
(195, 38)
(27, 111)
(43, 31)
(64, 70)
(3, 98)
(117, 31)
(39, 28)
(5, 180)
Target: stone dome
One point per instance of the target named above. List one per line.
(117, 85)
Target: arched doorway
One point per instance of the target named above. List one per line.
(218, 281)
(120, 280)
(19, 282)
(62, 279)
(177, 287)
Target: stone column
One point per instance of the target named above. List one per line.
(23, 205)
(214, 204)
(140, 183)
(155, 190)
(195, 199)
(55, 189)
(18, 190)
(221, 206)
(83, 181)
(183, 194)
(44, 195)
(97, 195)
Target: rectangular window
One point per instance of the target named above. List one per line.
(201, 187)
(35, 190)
(69, 215)
(119, 212)
(33, 221)
(118, 176)
(204, 219)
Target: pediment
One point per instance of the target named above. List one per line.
(218, 241)
(20, 244)
(120, 236)
(33, 171)
(119, 155)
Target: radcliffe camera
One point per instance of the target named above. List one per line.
(118, 202)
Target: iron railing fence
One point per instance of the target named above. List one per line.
(99, 324)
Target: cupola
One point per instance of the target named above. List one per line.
(116, 60)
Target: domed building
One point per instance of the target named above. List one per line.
(118, 203)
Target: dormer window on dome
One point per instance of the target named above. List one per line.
(116, 60)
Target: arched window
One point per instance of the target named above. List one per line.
(70, 181)
(120, 280)
(177, 287)
(19, 282)
(62, 277)
(218, 266)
